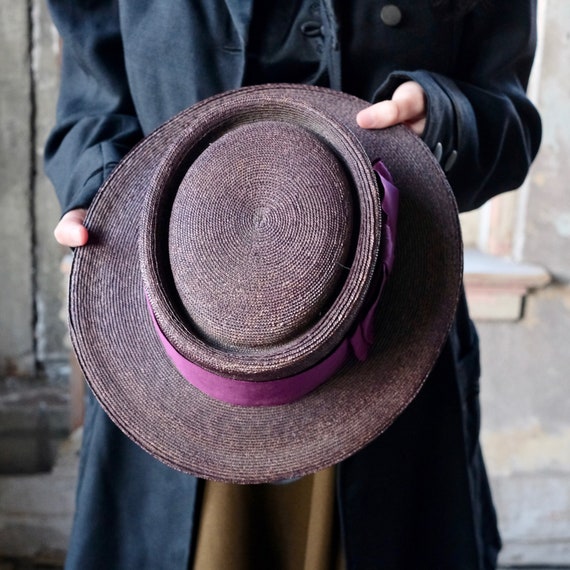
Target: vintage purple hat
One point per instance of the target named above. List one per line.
(266, 286)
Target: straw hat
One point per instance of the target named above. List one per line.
(240, 311)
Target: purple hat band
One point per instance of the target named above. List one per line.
(287, 390)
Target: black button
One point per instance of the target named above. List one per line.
(391, 15)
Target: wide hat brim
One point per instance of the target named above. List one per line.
(126, 366)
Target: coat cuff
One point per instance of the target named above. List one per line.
(441, 130)
(78, 181)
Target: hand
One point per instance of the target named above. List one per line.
(70, 230)
(407, 106)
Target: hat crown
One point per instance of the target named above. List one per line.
(247, 157)
(260, 235)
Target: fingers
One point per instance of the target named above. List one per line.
(70, 230)
(407, 106)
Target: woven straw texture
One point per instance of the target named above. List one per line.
(250, 222)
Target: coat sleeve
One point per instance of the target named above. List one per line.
(480, 122)
(96, 123)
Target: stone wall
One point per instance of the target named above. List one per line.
(526, 364)
(31, 332)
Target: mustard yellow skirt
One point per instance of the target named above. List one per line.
(289, 526)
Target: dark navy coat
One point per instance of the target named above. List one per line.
(418, 496)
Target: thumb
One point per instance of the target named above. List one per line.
(70, 230)
(407, 106)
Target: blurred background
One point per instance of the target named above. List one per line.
(517, 275)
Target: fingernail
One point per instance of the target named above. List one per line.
(363, 118)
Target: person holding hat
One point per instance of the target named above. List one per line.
(241, 452)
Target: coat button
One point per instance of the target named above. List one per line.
(391, 15)
(438, 151)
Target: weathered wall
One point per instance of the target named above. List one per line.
(526, 365)
(50, 330)
(526, 428)
(35, 510)
(16, 239)
(31, 334)
(548, 214)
